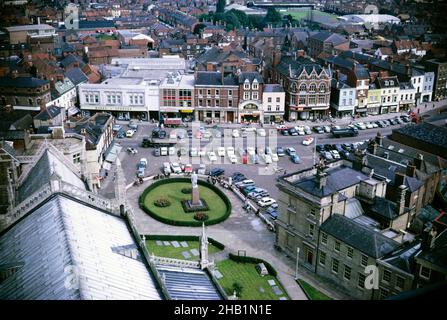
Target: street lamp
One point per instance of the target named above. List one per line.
(297, 259)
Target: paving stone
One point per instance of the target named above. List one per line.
(184, 244)
(272, 282)
(195, 252)
(217, 274)
(159, 243)
(166, 243)
(175, 244)
(186, 254)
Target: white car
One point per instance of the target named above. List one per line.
(335, 154)
(261, 132)
(163, 151)
(307, 130)
(268, 150)
(266, 201)
(130, 133)
(172, 151)
(173, 135)
(369, 125)
(233, 158)
(166, 168)
(176, 167)
(300, 131)
(202, 152)
(230, 151)
(235, 133)
(212, 156)
(207, 135)
(251, 151)
(268, 159)
(250, 129)
(193, 152)
(360, 125)
(274, 157)
(308, 141)
(327, 129)
(221, 151)
(143, 161)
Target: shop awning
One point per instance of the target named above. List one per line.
(112, 152)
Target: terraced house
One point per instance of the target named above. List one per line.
(307, 86)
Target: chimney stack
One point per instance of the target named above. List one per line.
(321, 179)
(418, 161)
(372, 147)
(379, 139)
(401, 203)
(428, 238)
(411, 170)
(399, 178)
(386, 155)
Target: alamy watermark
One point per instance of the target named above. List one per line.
(71, 13)
(71, 281)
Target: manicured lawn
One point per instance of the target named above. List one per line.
(172, 191)
(313, 293)
(254, 287)
(176, 253)
(299, 15)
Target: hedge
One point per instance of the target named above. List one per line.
(171, 237)
(184, 223)
(245, 259)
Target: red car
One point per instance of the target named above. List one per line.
(188, 168)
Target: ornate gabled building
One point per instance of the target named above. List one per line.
(307, 86)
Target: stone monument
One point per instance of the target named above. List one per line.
(195, 201)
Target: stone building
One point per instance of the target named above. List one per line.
(250, 97)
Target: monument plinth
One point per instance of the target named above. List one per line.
(195, 204)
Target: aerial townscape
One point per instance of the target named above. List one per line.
(223, 149)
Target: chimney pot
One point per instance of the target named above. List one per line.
(411, 170)
(401, 203)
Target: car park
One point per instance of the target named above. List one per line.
(215, 172)
(308, 141)
(290, 151)
(176, 167)
(295, 159)
(266, 201)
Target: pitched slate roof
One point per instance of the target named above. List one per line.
(438, 254)
(273, 88)
(210, 78)
(383, 208)
(63, 233)
(76, 76)
(49, 113)
(333, 38)
(22, 82)
(251, 76)
(364, 239)
(288, 64)
(70, 59)
(403, 259)
(337, 179)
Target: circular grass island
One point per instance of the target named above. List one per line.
(165, 201)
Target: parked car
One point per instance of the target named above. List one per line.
(233, 158)
(163, 151)
(215, 172)
(173, 135)
(244, 183)
(293, 132)
(140, 172)
(268, 159)
(327, 129)
(207, 135)
(369, 125)
(274, 157)
(318, 129)
(327, 155)
(308, 141)
(235, 133)
(230, 151)
(272, 212)
(157, 152)
(290, 151)
(193, 152)
(198, 135)
(121, 135)
(132, 150)
(221, 151)
(130, 133)
(266, 201)
(189, 133)
(280, 152)
(307, 130)
(245, 191)
(202, 169)
(360, 125)
(188, 168)
(167, 168)
(202, 152)
(300, 131)
(172, 151)
(176, 167)
(335, 154)
(285, 132)
(117, 127)
(212, 156)
(295, 159)
(133, 125)
(162, 134)
(181, 134)
(217, 134)
(319, 148)
(261, 132)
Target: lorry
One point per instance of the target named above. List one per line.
(173, 122)
(149, 142)
(345, 132)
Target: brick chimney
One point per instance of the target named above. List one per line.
(418, 161)
(276, 57)
(379, 139)
(428, 238)
(321, 179)
(372, 147)
(399, 178)
(411, 170)
(359, 160)
(401, 199)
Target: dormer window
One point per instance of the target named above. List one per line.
(246, 84)
(255, 85)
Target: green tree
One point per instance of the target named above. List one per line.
(220, 7)
(198, 28)
(237, 287)
(232, 21)
(241, 16)
(272, 16)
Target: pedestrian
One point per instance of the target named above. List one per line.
(257, 212)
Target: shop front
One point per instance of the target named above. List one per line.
(250, 112)
(273, 117)
(123, 113)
